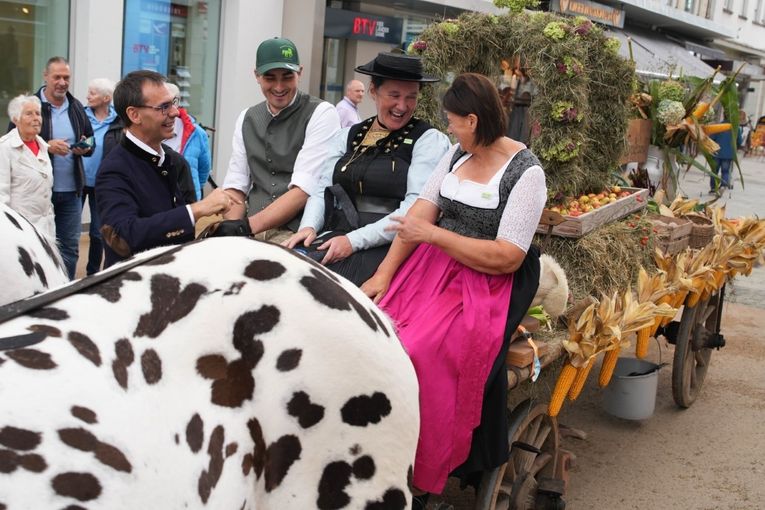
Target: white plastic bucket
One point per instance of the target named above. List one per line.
(632, 397)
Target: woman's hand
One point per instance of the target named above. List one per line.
(376, 287)
(306, 235)
(412, 229)
(337, 248)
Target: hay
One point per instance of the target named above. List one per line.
(607, 259)
(570, 60)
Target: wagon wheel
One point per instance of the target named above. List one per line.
(698, 334)
(534, 443)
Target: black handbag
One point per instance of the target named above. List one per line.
(340, 215)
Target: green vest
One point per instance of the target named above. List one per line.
(272, 145)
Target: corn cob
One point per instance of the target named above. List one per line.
(693, 299)
(565, 380)
(701, 109)
(666, 299)
(713, 129)
(641, 344)
(579, 380)
(607, 368)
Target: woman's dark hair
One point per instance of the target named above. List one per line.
(475, 93)
(129, 91)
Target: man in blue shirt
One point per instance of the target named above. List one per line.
(64, 123)
(723, 160)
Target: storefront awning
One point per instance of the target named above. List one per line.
(656, 56)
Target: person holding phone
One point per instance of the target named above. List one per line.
(64, 122)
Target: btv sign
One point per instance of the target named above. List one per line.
(367, 26)
(343, 24)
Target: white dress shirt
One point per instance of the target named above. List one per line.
(323, 124)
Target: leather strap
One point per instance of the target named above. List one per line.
(17, 308)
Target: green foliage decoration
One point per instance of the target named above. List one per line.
(579, 69)
(516, 6)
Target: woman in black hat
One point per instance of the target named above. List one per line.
(375, 169)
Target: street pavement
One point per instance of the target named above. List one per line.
(743, 200)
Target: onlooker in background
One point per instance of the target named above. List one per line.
(102, 116)
(746, 130)
(139, 197)
(348, 108)
(723, 159)
(520, 119)
(64, 122)
(26, 173)
(279, 145)
(190, 140)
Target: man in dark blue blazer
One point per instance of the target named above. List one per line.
(139, 200)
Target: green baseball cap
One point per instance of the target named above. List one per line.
(277, 53)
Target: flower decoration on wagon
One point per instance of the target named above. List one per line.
(682, 123)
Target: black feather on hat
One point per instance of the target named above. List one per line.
(394, 66)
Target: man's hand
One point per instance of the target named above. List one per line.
(58, 147)
(411, 229)
(217, 202)
(236, 212)
(306, 235)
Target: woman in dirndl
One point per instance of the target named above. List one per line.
(374, 170)
(457, 280)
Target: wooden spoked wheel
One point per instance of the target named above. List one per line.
(534, 444)
(697, 335)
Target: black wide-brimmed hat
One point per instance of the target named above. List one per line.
(395, 66)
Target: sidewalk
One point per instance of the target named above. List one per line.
(746, 200)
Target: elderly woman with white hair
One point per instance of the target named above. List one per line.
(106, 124)
(26, 174)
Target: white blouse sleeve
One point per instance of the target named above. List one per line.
(524, 208)
(432, 189)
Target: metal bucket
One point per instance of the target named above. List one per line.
(632, 397)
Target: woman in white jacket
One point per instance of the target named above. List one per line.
(26, 174)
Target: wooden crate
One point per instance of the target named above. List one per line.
(669, 228)
(581, 225)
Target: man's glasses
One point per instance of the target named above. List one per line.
(163, 108)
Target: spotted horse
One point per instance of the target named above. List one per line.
(30, 261)
(224, 374)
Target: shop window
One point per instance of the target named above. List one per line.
(30, 33)
(178, 39)
(332, 82)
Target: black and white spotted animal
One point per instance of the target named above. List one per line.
(30, 261)
(224, 374)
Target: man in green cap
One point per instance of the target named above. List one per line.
(279, 146)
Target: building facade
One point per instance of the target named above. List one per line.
(207, 47)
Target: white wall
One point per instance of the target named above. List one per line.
(244, 27)
(303, 24)
(96, 42)
(746, 31)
